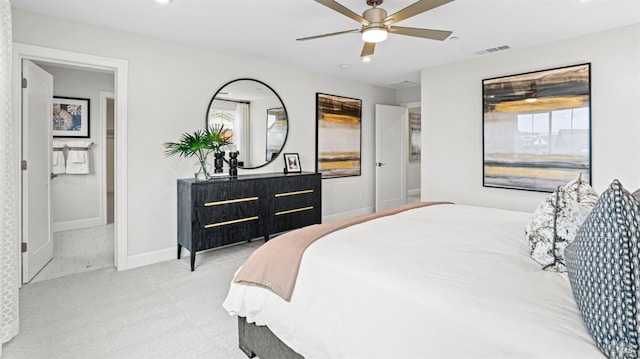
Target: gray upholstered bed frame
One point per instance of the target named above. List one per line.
(259, 340)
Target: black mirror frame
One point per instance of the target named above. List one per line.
(206, 117)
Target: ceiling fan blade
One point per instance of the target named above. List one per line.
(332, 4)
(367, 49)
(424, 33)
(327, 35)
(414, 9)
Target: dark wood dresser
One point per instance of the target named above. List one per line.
(228, 210)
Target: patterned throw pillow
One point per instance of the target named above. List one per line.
(555, 222)
(604, 270)
(636, 195)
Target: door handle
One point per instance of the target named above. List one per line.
(53, 175)
(379, 164)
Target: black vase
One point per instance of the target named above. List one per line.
(218, 162)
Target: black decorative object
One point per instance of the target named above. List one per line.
(218, 162)
(233, 163)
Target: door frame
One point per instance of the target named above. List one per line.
(78, 60)
(104, 188)
(409, 105)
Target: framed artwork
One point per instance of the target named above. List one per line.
(292, 163)
(338, 132)
(70, 117)
(276, 131)
(414, 137)
(537, 128)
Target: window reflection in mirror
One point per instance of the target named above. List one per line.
(255, 117)
(276, 132)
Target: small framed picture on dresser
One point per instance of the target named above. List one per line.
(292, 163)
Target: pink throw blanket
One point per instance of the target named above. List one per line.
(275, 265)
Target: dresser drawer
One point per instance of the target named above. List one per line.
(213, 213)
(288, 220)
(223, 233)
(294, 201)
(225, 193)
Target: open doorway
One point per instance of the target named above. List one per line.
(414, 114)
(118, 69)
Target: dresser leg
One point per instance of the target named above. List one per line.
(193, 260)
(179, 251)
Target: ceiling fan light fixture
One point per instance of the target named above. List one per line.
(374, 34)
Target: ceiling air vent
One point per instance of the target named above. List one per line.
(404, 84)
(493, 49)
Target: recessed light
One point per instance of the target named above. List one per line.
(366, 59)
(163, 2)
(345, 66)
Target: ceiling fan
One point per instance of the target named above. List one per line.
(376, 25)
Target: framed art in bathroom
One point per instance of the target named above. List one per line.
(71, 117)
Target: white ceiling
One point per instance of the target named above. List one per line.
(266, 29)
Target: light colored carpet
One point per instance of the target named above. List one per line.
(158, 311)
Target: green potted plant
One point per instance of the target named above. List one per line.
(200, 144)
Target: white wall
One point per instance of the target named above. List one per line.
(452, 116)
(408, 95)
(76, 199)
(170, 87)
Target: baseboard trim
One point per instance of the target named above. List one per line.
(77, 224)
(413, 192)
(348, 214)
(158, 256)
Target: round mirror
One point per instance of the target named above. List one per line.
(256, 118)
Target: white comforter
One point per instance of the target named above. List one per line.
(445, 281)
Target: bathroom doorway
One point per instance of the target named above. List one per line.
(118, 68)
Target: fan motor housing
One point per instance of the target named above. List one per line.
(375, 15)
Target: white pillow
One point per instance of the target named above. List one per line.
(556, 221)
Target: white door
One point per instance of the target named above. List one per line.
(37, 104)
(391, 156)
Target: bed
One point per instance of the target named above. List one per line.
(439, 281)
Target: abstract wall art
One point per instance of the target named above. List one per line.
(338, 132)
(537, 128)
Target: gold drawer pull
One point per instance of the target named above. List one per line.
(247, 199)
(212, 225)
(294, 210)
(294, 193)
